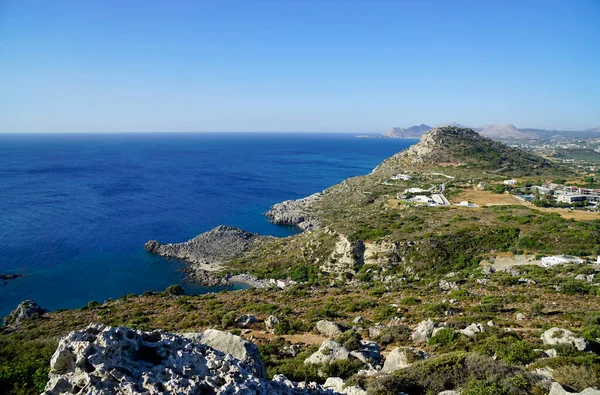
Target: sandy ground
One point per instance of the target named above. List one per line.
(306, 338)
(486, 198)
(504, 262)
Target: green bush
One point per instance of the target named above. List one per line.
(394, 334)
(176, 289)
(577, 377)
(24, 364)
(508, 349)
(350, 340)
(443, 337)
(228, 319)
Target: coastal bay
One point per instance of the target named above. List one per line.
(80, 208)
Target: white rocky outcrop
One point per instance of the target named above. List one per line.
(401, 358)
(331, 351)
(245, 321)
(338, 385)
(347, 256)
(25, 311)
(328, 328)
(563, 336)
(557, 389)
(472, 330)
(270, 323)
(105, 360)
(424, 331)
(296, 212)
(382, 253)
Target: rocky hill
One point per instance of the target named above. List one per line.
(410, 132)
(463, 146)
(506, 131)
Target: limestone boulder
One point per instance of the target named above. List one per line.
(563, 336)
(401, 358)
(329, 329)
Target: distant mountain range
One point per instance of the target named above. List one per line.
(505, 131)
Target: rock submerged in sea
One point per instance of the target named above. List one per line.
(106, 360)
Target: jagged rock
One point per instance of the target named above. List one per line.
(329, 352)
(563, 336)
(208, 251)
(337, 384)
(472, 330)
(328, 328)
(487, 270)
(295, 212)
(423, 331)
(545, 373)
(382, 253)
(270, 322)
(557, 389)
(376, 330)
(395, 321)
(245, 321)
(358, 320)
(369, 353)
(104, 360)
(402, 357)
(347, 256)
(447, 285)
(228, 343)
(25, 311)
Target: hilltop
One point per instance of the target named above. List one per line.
(464, 147)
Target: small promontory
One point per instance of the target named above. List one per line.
(208, 251)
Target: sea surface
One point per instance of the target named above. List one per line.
(76, 209)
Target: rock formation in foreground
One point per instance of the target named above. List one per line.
(208, 251)
(106, 360)
(295, 212)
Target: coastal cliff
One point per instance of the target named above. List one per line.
(296, 212)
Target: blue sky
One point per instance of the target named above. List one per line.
(298, 65)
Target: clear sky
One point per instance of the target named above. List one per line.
(297, 65)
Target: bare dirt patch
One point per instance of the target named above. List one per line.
(486, 198)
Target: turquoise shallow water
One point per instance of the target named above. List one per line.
(77, 209)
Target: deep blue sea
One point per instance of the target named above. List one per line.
(76, 209)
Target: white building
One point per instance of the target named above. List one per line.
(416, 190)
(404, 177)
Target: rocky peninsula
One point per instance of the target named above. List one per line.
(296, 212)
(207, 252)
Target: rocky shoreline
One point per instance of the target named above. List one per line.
(296, 212)
(207, 252)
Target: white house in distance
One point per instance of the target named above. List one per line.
(510, 182)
